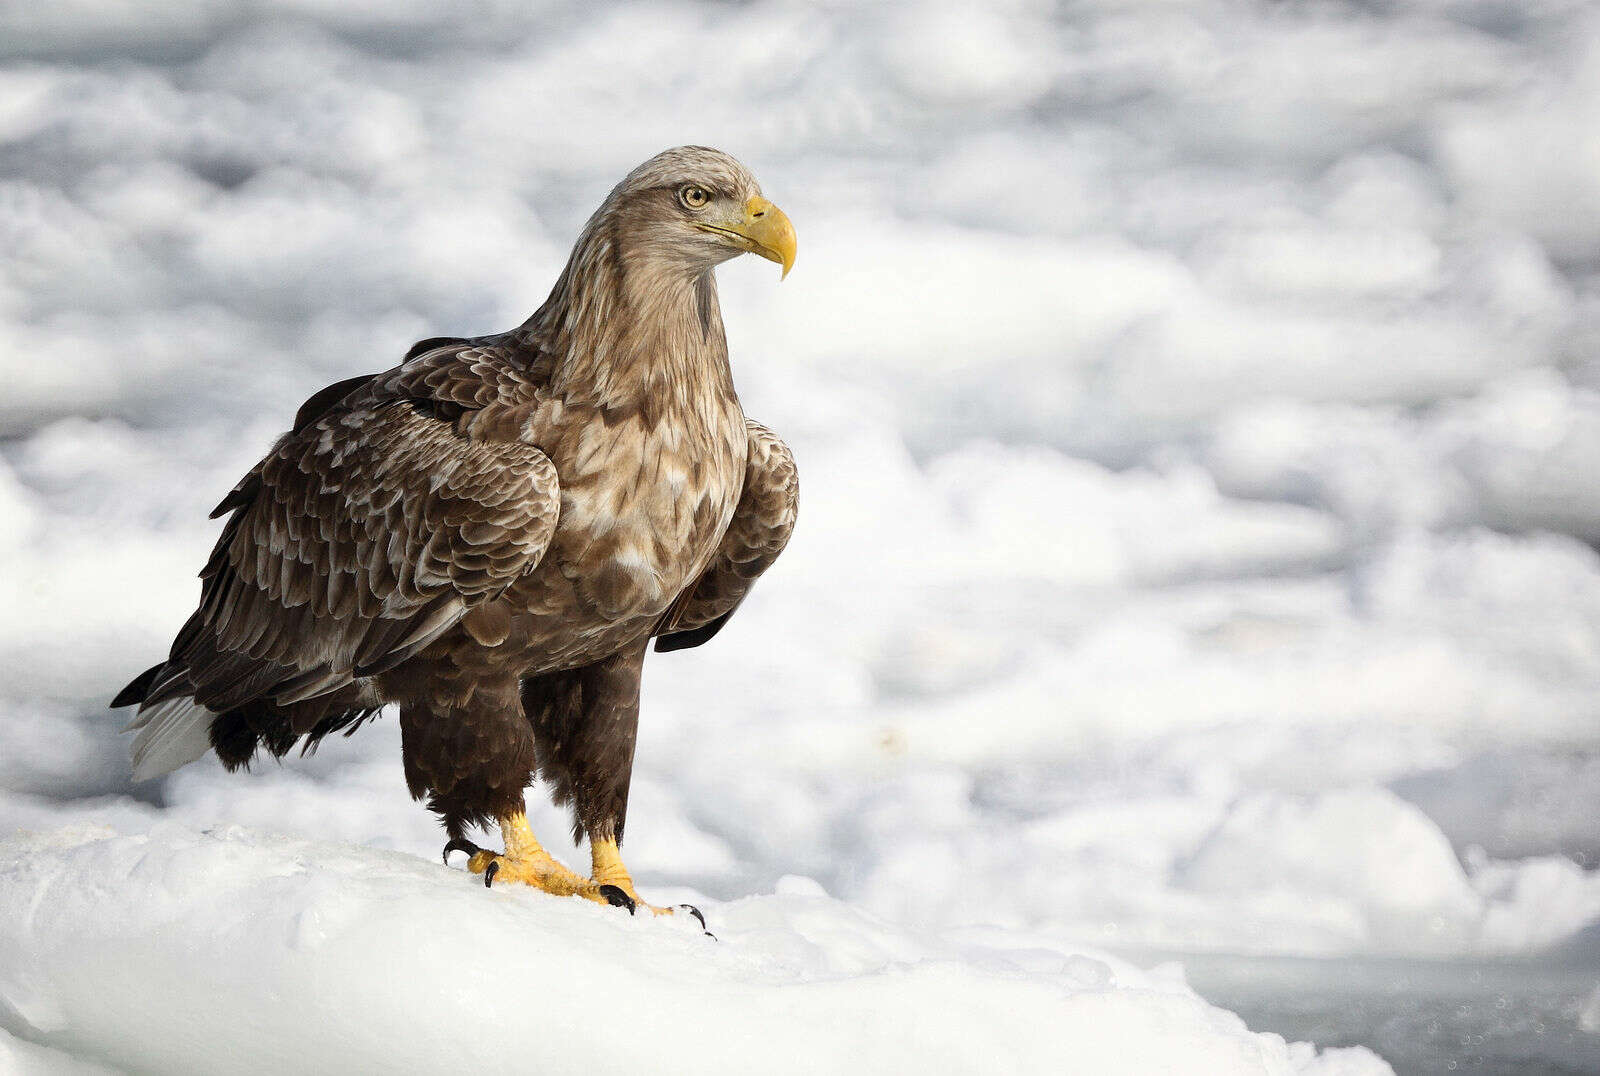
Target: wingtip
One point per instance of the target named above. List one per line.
(683, 640)
(137, 688)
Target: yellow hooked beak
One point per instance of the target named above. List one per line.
(764, 230)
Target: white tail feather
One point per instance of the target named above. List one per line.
(171, 734)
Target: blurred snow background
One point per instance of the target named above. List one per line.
(1197, 404)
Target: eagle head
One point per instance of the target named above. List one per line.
(697, 207)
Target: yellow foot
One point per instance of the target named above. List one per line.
(540, 870)
(525, 861)
(610, 874)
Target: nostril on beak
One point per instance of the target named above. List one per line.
(758, 214)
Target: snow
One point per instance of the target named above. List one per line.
(1197, 405)
(113, 945)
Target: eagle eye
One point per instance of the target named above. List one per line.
(693, 197)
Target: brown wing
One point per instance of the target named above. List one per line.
(368, 531)
(759, 530)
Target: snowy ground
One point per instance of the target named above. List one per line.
(379, 961)
(1198, 409)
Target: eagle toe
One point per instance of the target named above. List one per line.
(460, 844)
(618, 898)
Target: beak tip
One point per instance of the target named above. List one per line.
(768, 228)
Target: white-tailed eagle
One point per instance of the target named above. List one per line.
(490, 535)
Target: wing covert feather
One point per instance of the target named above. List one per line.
(366, 533)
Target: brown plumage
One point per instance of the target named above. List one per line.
(490, 534)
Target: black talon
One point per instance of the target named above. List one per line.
(459, 844)
(692, 910)
(489, 872)
(617, 898)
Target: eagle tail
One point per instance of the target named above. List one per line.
(172, 733)
(173, 729)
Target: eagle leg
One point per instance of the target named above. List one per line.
(584, 723)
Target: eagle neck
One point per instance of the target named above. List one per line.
(630, 330)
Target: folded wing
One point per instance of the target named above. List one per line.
(368, 532)
(757, 534)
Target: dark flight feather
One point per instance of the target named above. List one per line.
(683, 640)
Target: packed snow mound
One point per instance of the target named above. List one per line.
(1361, 863)
(21, 1058)
(235, 951)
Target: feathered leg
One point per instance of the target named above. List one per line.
(585, 722)
(469, 750)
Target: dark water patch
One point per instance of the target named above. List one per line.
(1486, 1017)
